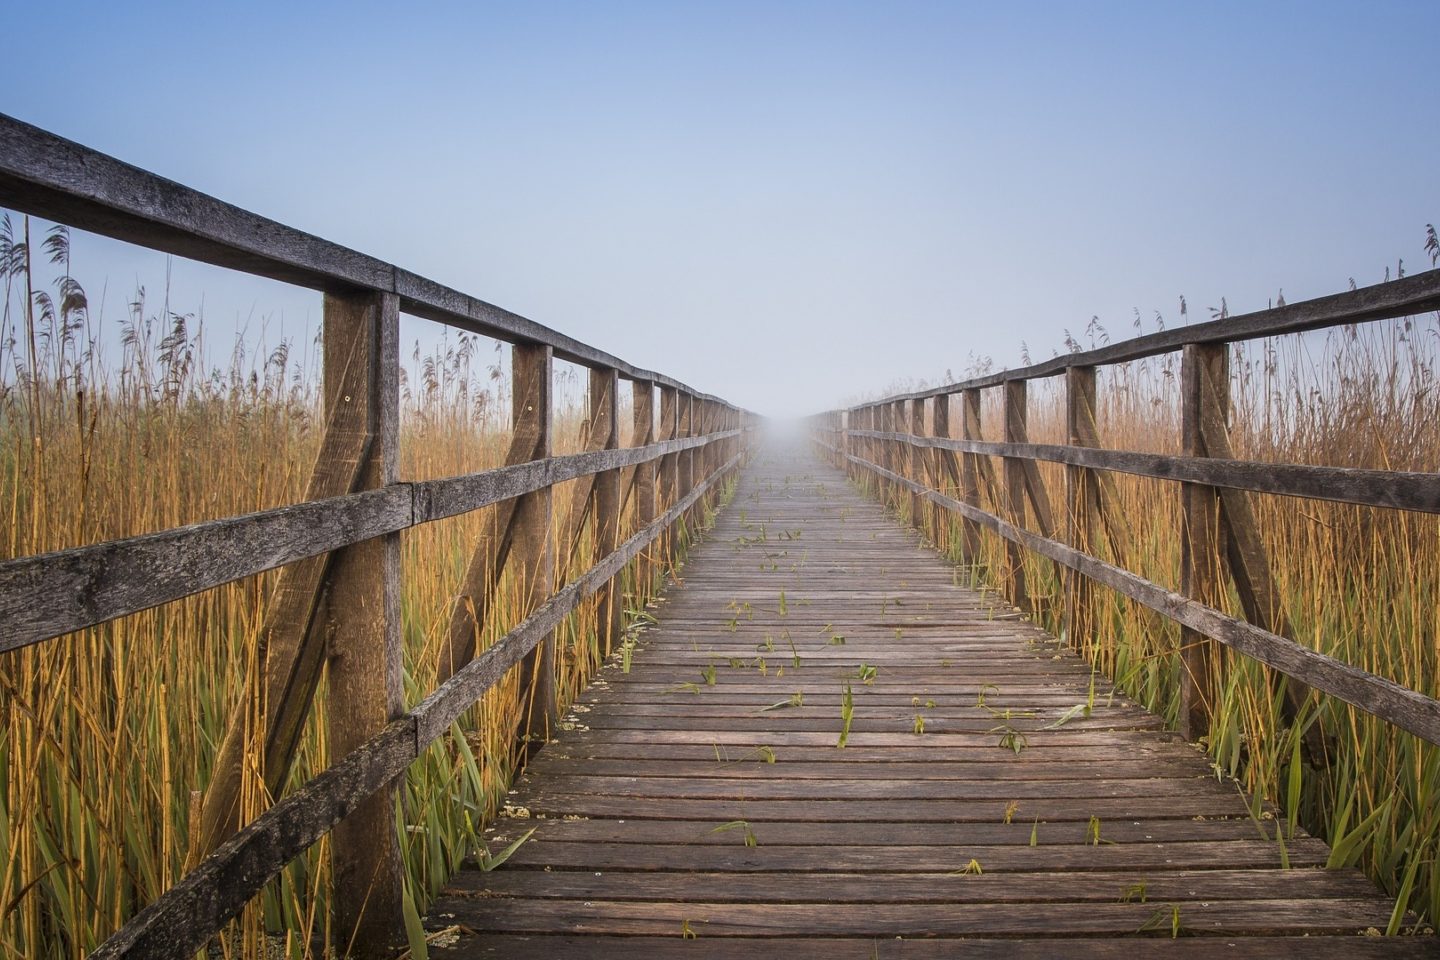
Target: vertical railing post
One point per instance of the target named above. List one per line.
(916, 461)
(870, 420)
(942, 469)
(884, 422)
(1015, 417)
(531, 559)
(1201, 537)
(605, 411)
(361, 371)
(669, 479)
(970, 429)
(643, 434)
(896, 453)
(1080, 500)
(685, 461)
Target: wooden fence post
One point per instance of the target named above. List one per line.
(605, 410)
(1015, 432)
(917, 464)
(293, 637)
(970, 471)
(643, 413)
(1201, 537)
(531, 558)
(1245, 553)
(685, 460)
(669, 474)
(1080, 497)
(363, 629)
(896, 453)
(942, 469)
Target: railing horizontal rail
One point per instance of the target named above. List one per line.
(1419, 293)
(1396, 489)
(56, 178)
(1407, 709)
(55, 593)
(181, 920)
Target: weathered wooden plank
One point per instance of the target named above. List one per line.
(671, 947)
(1202, 543)
(1248, 563)
(710, 919)
(1081, 505)
(607, 504)
(1016, 483)
(994, 886)
(531, 559)
(364, 667)
(292, 638)
(688, 833)
(1396, 489)
(973, 470)
(530, 415)
(55, 593)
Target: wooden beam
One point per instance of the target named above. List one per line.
(529, 441)
(1015, 415)
(1393, 489)
(292, 641)
(1202, 540)
(971, 471)
(685, 462)
(1248, 561)
(669, 471)
(362, 632)
(531, 560)
(605, 411)
(646, 475)
(1080, 503)
(916, 464)
(944, 471)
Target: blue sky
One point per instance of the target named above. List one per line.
(787, 204)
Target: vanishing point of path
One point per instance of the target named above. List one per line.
(699, 806)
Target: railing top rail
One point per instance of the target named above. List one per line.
(49, 176)
(1419, 293)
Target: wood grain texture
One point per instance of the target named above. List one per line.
(292, 638)
(1202, 542)
(635, 818)
(1396, 489)
(51, 594)
(364, 665)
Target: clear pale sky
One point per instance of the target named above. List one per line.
(786, 204)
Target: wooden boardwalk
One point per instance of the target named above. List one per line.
(699, 805)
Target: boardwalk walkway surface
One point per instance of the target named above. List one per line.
(699, 804)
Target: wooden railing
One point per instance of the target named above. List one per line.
(336, 605)
(888, 441)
